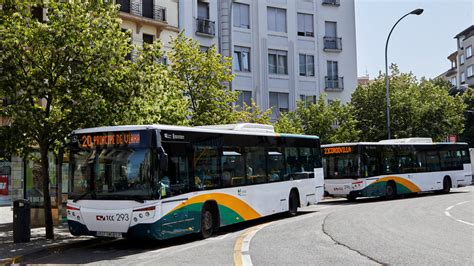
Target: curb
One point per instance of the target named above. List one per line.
(53, 249)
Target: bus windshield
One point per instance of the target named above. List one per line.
(341, 166)
(120, 173)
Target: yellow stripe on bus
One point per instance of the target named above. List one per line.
(402, 181)
(231, 202)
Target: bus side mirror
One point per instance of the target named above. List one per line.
(163, 161)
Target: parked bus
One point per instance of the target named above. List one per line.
(163, 181)
(393, 167)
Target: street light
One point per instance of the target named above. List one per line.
(387, 95)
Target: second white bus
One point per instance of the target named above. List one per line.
(393, 167)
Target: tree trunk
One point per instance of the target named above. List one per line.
(48, 217)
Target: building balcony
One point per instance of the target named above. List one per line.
(334, 83)
(205, 27)
(143, 12)
(331, 2)
(332, 44)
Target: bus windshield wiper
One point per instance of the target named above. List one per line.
(83, 195)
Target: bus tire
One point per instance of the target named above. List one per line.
(351, 198)
(208, 221)
(293, 203)
(446, 185)
(390, 190)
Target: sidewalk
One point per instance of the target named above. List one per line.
(15, 252)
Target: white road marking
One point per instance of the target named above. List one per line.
(242, 246)
(446, 212)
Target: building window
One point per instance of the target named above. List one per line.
(279, 103)
(147, 8)
(147, 38)
(124, 5)
(245, 97)
(276, 19)
(463, 77)
(241, 15)
(461, 59)
(241, 60)
(469, 71)
(453, 81)
(203, 24)
(332, 69)
(203, 10)
(278, 62)
(306, 65)
(203, 48)
(469, 52)
(308, 99)
(305, 25)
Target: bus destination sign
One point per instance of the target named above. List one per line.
(337, 150)
(94, 140)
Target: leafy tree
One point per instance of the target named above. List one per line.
(253, 114)
(154, 94)
(60, 74)
(202, 77)
(332, 122)
(289, 123)
(418, 108)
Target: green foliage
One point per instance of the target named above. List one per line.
(418, 109)
(288, 123)
(62, 74)
(202, 78)
(331, 122)
(154, 94)
(253, 114)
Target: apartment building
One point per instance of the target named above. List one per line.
(282, 51)
(149, 20)
(465, 63)
(461, 72)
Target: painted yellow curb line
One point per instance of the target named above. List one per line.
(238, 244)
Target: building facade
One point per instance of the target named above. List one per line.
(282, 51)
(461, 72)
(465, 61)
(149, 20)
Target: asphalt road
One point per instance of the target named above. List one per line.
(424, 229)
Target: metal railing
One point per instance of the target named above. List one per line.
(135, 7)
(332, 2)
(332, 43)
(334, 82)
(205, 26)
(159, 13)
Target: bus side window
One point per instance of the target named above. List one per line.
(255, 165)
(276, 164)
(233, 173)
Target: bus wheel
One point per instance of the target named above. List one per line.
(207, 222)
(446, 185)
(293, 204)
(351, 198)
(390, 190)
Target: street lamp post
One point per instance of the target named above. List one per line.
(387, 95)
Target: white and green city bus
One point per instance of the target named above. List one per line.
(163, 181)
(392, 167)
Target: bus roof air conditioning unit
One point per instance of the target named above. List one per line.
(249, 127)
(408, 140)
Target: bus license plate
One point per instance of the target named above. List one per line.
(109, 234)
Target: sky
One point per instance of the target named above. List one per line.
(420, 44)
